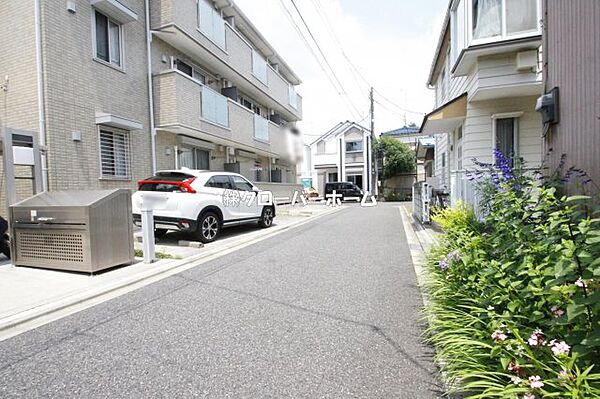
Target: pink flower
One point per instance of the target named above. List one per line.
(536, 338)
(557, 312)
(535, 382)
(529, 395)
(499, 336)
(559, 348)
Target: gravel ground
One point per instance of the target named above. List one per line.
(327, 310)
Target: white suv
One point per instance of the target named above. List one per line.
(203, 202)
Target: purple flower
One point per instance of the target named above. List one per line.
(444, 265)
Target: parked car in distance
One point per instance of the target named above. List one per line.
(311, 192)
(346, 189)
(204, 202)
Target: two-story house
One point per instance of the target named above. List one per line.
(115, 89)
(342, 154)
(486, 76)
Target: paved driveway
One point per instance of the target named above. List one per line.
(329, 309)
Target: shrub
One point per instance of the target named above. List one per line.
(515, 297)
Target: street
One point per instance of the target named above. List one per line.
(329, 309)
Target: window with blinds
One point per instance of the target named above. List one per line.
(114, 154)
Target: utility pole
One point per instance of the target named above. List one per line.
(374, 160)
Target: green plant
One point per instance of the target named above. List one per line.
(159, 255)
(515, 297)
(398, 157)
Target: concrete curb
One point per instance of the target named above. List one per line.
(13, 325)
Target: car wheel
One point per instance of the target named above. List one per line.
(160, 233)
(209, 227)
(266, 218)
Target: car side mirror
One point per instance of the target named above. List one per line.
(255, 189)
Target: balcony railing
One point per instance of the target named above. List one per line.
(261, 128)
(214, 107)
(197, 33)
(184, 105)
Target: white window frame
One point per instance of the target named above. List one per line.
(503, 35)
(121, 65)
(125, 133)
(516, 129)
(354, 151)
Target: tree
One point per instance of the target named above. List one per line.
(398, 157)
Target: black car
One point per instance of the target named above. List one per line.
(346, 189)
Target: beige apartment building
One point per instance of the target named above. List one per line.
(112, 90)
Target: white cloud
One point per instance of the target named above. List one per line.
(397, 66)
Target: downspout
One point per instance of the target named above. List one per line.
(150, 92)
(40, 93)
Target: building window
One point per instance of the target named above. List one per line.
(354, 146)
(332, 177)
(321, 147)
(194, 158)
(503, 18)
(443, 159)
(506, 137)
(108, 39)
(190, 71)
(114, 154)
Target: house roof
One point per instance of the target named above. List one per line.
(403, 131)
(443, 39)
(341, 127)
(423, 145)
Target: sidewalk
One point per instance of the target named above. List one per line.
(30, 297)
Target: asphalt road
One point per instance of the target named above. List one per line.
(326, 310)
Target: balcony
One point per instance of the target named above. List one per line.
(184, 106)
(354, 157)
(229, 54)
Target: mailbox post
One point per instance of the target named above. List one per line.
(150, 202)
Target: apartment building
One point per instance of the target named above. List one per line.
(486, 74)
(114, 89)
(341, 154)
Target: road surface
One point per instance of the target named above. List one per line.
(326, 310)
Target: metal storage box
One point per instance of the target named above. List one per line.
(85, 231)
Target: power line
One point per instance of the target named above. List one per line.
(340, 91)
(323, 55)
(355, 71)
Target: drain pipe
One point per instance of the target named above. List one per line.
(40, 94)
(150, 92)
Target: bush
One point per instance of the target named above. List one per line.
(515, 297)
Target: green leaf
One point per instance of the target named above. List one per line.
(574, 198)
(574, 310)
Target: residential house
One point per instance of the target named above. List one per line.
(486, 74)
(571, 40)
(114, 90)
(342, 154)
(409, 135)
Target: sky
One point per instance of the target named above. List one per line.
(388, 44)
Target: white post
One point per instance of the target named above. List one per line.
(148, 235)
